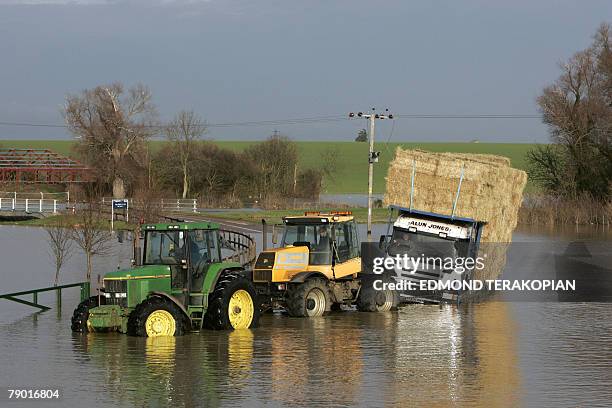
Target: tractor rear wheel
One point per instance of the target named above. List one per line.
(233, 304)
(156, 316)
(309, 299)
(80, 316)
(372, 300)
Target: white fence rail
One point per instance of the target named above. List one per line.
(31, 205)
(59, 196)
(179, 205)
(165, 204)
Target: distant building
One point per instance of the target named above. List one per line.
(41, 166)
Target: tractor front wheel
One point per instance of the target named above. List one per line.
(309, 299)
(233, 304)
(156, 316)
(80, 316)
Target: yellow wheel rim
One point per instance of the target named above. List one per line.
(241, 309)
(160, 323)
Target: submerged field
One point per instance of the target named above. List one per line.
(352, 170)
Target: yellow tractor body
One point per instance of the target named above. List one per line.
(317, 266)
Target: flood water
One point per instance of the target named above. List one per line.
(496, 353)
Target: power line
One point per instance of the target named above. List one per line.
(21, 124)
(479, 116)
(302, 121)
(307, 120)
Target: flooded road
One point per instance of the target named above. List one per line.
(496, 353)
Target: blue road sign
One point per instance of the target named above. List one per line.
(120, 204)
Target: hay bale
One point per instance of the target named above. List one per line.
(491, 191)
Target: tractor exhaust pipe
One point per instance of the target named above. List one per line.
(264, 233)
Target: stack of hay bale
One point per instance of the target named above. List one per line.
(491, 191)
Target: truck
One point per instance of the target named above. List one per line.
(181, 283)
(317, 268)
(443, 243)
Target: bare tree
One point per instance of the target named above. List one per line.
(112, 126)
(213, 179)
(209, 173)
(90, 234)
(330, 163)
(185, 131)
(147, 206)
(275, 160)
(577, 107)
(60, 245)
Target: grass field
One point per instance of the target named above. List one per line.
(352, 169)
(379, 215)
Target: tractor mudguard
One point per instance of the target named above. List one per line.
(300, 277)
(172, 299)
(215, 271)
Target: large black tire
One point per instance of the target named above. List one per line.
(372, 300)
(137, 321)
(309, 299)
(217, 315)
(78, 323)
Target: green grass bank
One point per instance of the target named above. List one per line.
(352, 171)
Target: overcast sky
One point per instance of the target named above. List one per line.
(251, 60)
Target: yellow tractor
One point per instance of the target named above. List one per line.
(317, 268)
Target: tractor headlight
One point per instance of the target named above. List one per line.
(121, 295)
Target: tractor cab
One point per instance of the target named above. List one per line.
(316, 242)
(436, 246)
(332, 238)
(187, 252)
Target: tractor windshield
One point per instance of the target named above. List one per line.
(316, 237)
(418, 245)
(164, 247)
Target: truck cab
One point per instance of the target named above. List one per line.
(437, 247)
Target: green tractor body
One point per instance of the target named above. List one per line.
(182, 284)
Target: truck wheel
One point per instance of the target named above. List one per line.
(372, 300)
(233, 304)
(156, 316)
(80, 316)
(309, 299)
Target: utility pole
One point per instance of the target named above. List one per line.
(372, 156)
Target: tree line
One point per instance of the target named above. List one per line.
(113, 127)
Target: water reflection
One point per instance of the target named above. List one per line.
(423, 354)
(446, 356)
(323, 354)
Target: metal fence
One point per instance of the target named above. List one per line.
(242, 245)
(30, 205)
(34, 202)
(85, 292)
(179, 205)
(59, 196)
(165, 204)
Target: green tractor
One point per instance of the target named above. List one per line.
(182, 284)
